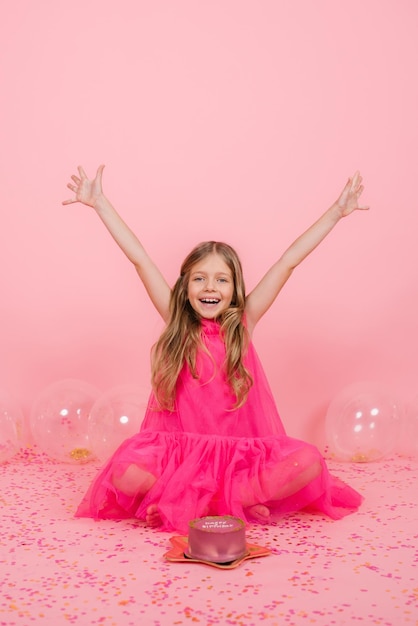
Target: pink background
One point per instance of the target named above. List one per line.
(232, 120)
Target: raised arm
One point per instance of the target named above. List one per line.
(90, 193)
(264, 294)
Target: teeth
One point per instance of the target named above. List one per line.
(210, 300)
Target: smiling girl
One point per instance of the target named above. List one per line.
(212, 441)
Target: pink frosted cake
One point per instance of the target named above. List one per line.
(218, 539)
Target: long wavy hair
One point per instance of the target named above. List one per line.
(179, 342)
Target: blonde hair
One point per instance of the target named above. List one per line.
(181, 339)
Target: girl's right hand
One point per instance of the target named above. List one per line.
(86, 191)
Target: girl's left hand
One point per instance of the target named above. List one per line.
(86, 191)
(348, 200)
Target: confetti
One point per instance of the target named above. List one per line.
(57, 569)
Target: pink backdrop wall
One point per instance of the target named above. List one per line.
(232, 120)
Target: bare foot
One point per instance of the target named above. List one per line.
(153, 517)
(260, 512)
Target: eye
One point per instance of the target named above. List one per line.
(198, 278)
(222, 280)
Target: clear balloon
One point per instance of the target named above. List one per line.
(59, 420)
(115, 416)
(11, 424)
(362, 423)
(408, 444)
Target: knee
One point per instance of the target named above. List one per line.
(134, 481)
(315, 469)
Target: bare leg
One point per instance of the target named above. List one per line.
(300, 480)
(283, 480)
(135, 481)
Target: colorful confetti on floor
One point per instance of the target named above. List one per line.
(56, 569)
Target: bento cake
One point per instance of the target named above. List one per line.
(218, 539)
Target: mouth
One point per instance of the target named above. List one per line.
(209, 300)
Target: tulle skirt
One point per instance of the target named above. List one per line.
(189, 475)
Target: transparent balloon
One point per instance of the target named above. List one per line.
(408, 443)
(11, 425)
(115, 416)
(363, 423)
(59, 420)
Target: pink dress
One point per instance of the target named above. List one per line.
(207, 458)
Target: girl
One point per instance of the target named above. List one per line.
(212, 442)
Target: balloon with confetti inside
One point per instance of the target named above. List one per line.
(11, 424)
(362, 423)
(115, 416)
(59, 420)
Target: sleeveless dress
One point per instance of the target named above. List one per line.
(207, 458)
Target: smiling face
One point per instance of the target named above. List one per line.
(211, 286)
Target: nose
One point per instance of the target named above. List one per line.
(210, 285)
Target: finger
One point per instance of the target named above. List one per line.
(99, 173)
(76, 179)
(82, 173)
(70, 201)
(347, 186)
(72, 187)
(357, 180)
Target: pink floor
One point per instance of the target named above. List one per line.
(59, 570)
